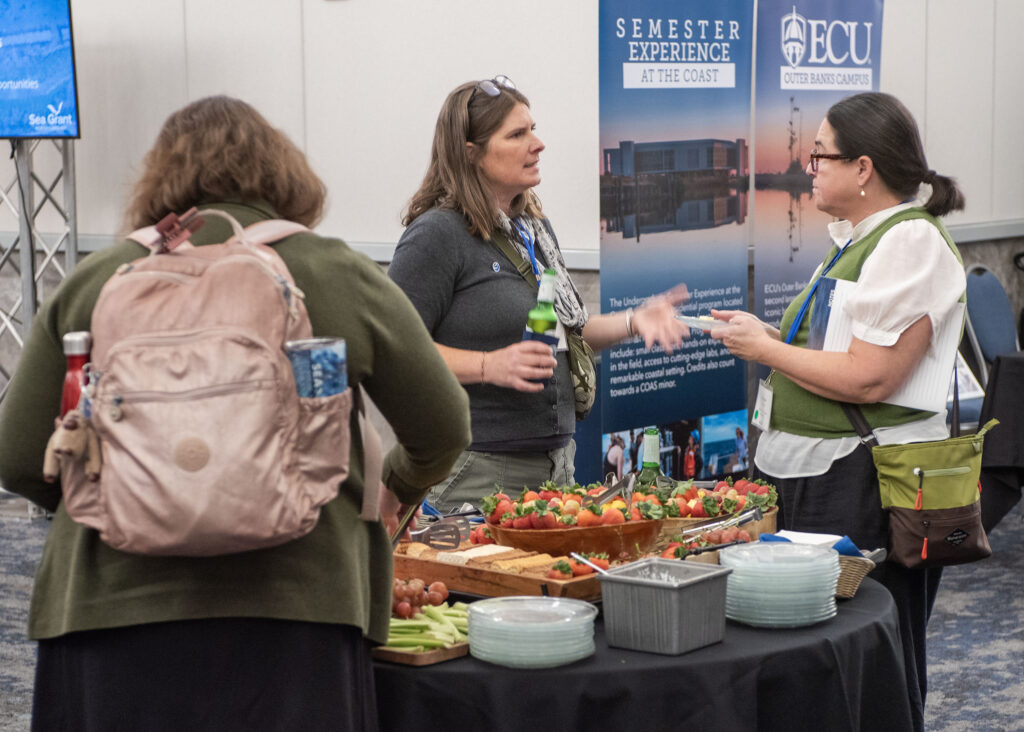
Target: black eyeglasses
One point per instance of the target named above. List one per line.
(492, 87)
(815, 156)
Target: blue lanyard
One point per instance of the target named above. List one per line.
(527, 237)
(807, 301)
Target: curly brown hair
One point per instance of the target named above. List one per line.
(453, 179)
(220, 148)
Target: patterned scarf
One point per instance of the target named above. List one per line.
(568, 303)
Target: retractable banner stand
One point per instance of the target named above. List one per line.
(810, 54)
(675, 82)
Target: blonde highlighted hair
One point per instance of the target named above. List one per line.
(453, 179)
(219, 148)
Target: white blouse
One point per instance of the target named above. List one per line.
(911, 273)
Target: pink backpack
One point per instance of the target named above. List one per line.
(206, 446)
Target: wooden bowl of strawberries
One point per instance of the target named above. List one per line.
(559, 519)
(619, 541)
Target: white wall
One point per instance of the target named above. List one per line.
(358, 83)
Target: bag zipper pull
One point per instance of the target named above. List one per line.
(924, 549)
(919, 501)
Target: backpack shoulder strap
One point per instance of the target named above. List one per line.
(147, 236)
(272, 230)
(501, 241)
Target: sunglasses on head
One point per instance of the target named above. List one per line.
(492, 87)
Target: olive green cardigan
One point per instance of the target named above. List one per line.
(341, 571)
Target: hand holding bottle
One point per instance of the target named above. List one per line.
(521, 366)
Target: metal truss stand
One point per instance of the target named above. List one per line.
(36, 253)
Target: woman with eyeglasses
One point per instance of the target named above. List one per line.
(477, 197)
(870, 172)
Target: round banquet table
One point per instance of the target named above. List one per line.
(843, 674)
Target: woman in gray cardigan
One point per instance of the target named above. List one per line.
(474, 301)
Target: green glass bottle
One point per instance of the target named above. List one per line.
(542, 318)
(650, 471)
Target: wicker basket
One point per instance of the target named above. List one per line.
(852, 570)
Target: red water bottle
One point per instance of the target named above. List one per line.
(76, 348)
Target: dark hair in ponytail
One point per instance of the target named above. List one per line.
(879, 126)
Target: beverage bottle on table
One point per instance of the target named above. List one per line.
(542, 318)
(650, 471)
(77, 345)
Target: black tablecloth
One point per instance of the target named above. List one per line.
(843, 674)
(1002, 462)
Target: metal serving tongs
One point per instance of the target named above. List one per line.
(446, 533)
(744, 517)
(623, 487)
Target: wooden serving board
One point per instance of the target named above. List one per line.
(494, 583)
(420, 658)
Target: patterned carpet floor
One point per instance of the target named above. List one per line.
(975, 638)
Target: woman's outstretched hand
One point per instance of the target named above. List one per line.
(655, 321)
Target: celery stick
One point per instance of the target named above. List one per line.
(405, 643)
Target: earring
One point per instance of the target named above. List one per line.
(862, 193)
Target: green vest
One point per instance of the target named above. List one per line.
(798, 411)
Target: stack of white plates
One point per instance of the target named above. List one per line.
(780, 584)
(531, 632)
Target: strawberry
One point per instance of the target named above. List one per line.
(574, 495)
(712, 507)
(522, 519)
(600, 559)
(560, 570)
(613, 516)
(589, 516)
(568, 519)
(494, 508)
(528, 495)
(579, 568)
(507, 520)
(670, 551)
(542, 518)
(651, 510)
(481, 535)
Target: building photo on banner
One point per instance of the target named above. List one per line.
(674, 131)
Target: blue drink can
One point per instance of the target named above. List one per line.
(318, 365)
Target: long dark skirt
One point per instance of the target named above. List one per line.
(216, 674)
(846, 501)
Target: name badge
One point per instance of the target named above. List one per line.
(763, 406)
